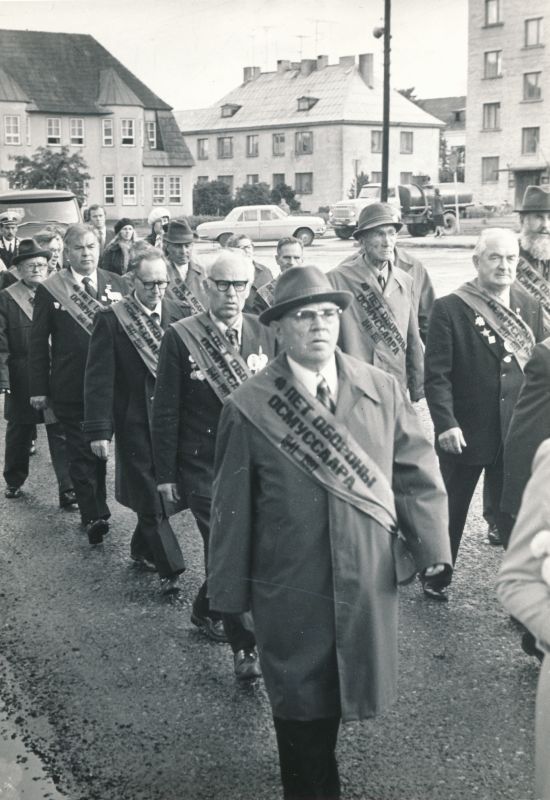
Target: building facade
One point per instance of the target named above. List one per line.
(313, 126)
(128, 137)
(508, 105)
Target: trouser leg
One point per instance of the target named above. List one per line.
(494, 480)
(200, 508)
(58, 454)
(460, 482)
(155, 539)
(16, 458)
(239, 630)
(307, 758)
(87, 473)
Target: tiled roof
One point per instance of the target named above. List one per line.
(60, 72)
(445, 108)
(114, 92)
(10, 89)
(271, 99)
(172, 150)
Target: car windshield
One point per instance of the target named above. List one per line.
(59, 210)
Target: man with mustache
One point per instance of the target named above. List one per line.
(534, 256)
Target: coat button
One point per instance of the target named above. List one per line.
(507, 359)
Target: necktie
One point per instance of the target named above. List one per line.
(88, 287)
(232, 337)
(323, 394)
(155, 317)
(381, 281)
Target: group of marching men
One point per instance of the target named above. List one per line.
(279, 412)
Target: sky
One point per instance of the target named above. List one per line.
(192, 52)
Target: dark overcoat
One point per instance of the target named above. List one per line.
(319, 575)
(262, 275)
(112, 259)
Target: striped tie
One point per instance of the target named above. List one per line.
(323, 394)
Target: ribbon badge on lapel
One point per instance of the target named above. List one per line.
(196, 374)
(256, 361)
(112, 297)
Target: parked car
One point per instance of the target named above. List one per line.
(263, 223)
(40, 207)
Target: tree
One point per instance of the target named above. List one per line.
(212, 198)
(284, 192)
(357, 184)
(409, 94)
(49, 169)
(253, 194)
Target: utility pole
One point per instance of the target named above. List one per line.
(386, 108)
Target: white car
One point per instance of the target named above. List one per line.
(261, 223)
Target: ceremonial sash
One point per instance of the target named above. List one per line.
(300, 427)
(73, 298)
(516, 335)
(22, 296)
(217, 362)
(181, 291)
(266, 292)
(537, 286)
(144, 333)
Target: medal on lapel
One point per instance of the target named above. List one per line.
(256, 361)
(112, 297)
(196, 374)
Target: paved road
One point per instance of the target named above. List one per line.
(124, 700)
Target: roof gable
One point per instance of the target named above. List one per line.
(114, 92)
(10, 89)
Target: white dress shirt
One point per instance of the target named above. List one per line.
(80, 279)
(181, 269)
(156, 310)
(221, 326)
(310, 378)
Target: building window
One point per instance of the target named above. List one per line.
(278, 144)
(529, 140)
(376, 141)
(203, 179)
(174, 185)
(77, 131)
(12, 129)
(53, 130)
(229, 109)
(305, 103)
(303, 182)
(151, 131)
(109, 190)
(304, 144)
(252, 146)
(493, 64)
(489, 169)
(532, 89)
(129, 197)
(202, 149)
(108, 133)
(127, 132)
(406, 142)
(252, 179)
(491, 116)
(533, 32)
(28, 129)
(405, 177)
(225, 147)
(278, 179)
(376, 177)
(228, 180)
(492, 12)
(159, 194)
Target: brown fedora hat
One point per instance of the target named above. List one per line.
(536, 198)
(376, 214)
(28, 248)
(299, 286)
(179, 232)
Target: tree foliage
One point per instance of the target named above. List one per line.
(213, 198)
(409, 94)
(357, 184)
(253, 194)
(284, 192)
(49, 169)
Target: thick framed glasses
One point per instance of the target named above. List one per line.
(306, 316)
(223, 286)
(153, 284)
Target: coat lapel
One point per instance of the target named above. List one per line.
(352, 388)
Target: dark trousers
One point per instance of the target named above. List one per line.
(460, 481)
(307, 758)
(154, 539)
(16, 462)
(87, 472)
(238, 627)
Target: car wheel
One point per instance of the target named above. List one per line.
(223, 238)
(343, 233)
(305, 235)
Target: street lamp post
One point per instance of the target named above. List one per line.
(386, 110)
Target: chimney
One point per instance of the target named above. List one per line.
(308, 66)
(322, 62)
(366, 67)
(250, 74)
(347, 61)
(283, 65)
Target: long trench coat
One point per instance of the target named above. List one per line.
(319, 575)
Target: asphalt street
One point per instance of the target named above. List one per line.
(121, 698)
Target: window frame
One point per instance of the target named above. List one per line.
(300, 147)
(280, 183)
(130, 123)
(152, 141)
(159, 198)
(72, 136)
(203, 149)
(252, 179)
(491, 114)
(298, 178)
(405, 181)
(376, 136)
(252, 145)
(109, 197)
(107, 121)
(125, 196)
(539, 36)
(402, 150)
(484, 170)
(525, 133)
(278, 139)
(13, 137)
(538, 86)
(49, 135)
(486, 65)
(489, 4)
(229, 180)
(224, 141)
(175, 198)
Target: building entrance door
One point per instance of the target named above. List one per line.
(523, 179)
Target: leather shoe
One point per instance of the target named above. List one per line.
(32, 448)
(435, 592)
(170, 585)
(12, 492)
(67, 499)
(144, 562)
(247, 667)
(529, 646)
(96, 530)
(213, 628)
(493, 536)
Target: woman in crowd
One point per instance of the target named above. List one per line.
(158, 219)
(117, 253)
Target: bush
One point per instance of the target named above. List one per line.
(287, 193)
(212, 198)
(253, 194)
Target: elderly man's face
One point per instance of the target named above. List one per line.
(379, 244)
(225, 299)
(496, 266)
(83, 253)
(309, 333)
(151, 280)
(55, 246)
(97, 218)
(9, 230)
(179, 254)
(33, 270)
(290, 255)
(535, 234)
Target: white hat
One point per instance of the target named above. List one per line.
(11, 216)
(156, 214)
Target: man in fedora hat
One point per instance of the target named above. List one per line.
(381, 328)
(185, 276)
(16, 314)
(317, 458)
(9, 243)
(534, 257)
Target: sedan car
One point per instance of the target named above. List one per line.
(261, 223)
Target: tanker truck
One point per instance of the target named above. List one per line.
(414, 204)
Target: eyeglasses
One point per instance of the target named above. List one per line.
(223, 286)
(153, 284)
(307, 315)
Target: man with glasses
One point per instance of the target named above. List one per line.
(118, 392)
(262, 274)
(202, 360)
(305, 533)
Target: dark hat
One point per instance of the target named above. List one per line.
(28, 248)
(377, 214)
(179, 232)
(299, 286)
(122, 223)
(536, 198)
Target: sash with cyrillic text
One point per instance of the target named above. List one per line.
(537, 286)
(516, 335)
(299, 426)
(23, 296)
(144, 333)
(181, 291)
(265, 294)
(217, 362)
(73, 298)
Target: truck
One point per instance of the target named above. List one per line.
(412, 202)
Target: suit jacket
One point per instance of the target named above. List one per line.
(193, 281)
(109, 235)
(7, 277)
(118, 394)
(318, 574)
(262, 275)
(471, 383)
(7, 256)
(59, 372)
(186, 411)
(529, 427)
